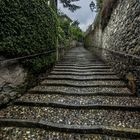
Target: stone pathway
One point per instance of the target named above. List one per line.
(81, 99)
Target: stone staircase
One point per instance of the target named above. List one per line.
(81, 99)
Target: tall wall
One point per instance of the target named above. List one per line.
(123, 30)
(122, 34)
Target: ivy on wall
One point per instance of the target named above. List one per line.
(27, 27)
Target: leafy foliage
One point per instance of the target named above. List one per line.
(76, 33)
(104, 9)
(69, 30)
(27, 27)
(92, 6)
(68, 4)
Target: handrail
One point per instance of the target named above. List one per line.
(30, 56)
(120, 53)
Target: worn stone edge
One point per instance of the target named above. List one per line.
(72, 106)
(85, 86)
(82, 94)
(123, 132)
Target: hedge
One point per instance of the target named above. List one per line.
(27, 27)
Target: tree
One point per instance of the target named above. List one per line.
(68, 4)
(92, 6)
(73, 7)
(75, 23)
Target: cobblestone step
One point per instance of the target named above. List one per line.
(83, 78)
(83, 65)
(74, 63)
(87, 70)
(40, 134)
(76, 106)
(80, 90)
(82, 118)
(107, 83)
(80, 102)
(81, 74)
(22, 133)
(89, 67)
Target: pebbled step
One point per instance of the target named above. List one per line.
(80, 90)
(40, 134)
(87, 70)
(73, 83)
(82, 102)
(83, 78)
(95, 63)
(72, 106)
(89, 67)
(81, 74)
(83, 65)
(83, 118)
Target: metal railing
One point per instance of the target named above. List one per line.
(30, 56)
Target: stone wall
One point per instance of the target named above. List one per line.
(12, 75)
(122, 34)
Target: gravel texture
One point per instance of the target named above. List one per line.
(83, 77)
(83, 83)
(80, 89)
(83, 61)
(81, 74)
(125, 119)
(85, 67)
(83, 100)
(15, 133)
(81, 71)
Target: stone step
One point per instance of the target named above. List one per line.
(87, 70)
(89, 67)
(104, 91)
(105, 83)
(26, 130)
(76, 65)
(80, 73)
(113, 94)
(42, 134)
(89, 102)
(83, 78)
(80, 90)
(76, 107)
(71, 117)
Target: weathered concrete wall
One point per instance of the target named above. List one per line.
(11, 76)
(122, 34)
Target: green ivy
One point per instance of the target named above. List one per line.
(27, 27)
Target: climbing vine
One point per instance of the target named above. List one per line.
(27, 27)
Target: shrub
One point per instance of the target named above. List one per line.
(27, 27)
